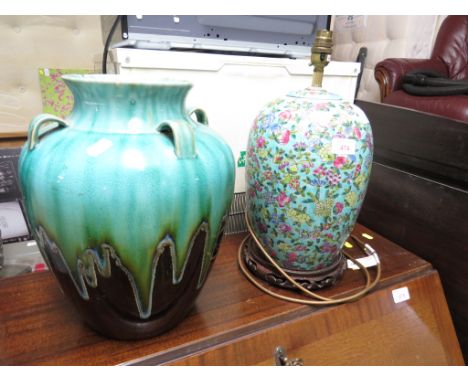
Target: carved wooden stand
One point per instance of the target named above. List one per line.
(311, 280)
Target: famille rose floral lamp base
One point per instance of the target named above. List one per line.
(309, 159)
(312, 280)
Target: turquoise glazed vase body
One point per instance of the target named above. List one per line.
(308, 164)
(127, 201)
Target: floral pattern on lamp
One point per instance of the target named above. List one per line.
(308, 163)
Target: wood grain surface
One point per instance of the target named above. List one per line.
(38, 326)
(372, 331)
(13, 139)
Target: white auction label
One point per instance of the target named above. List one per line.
(400, 295)
(366, 262)
(343, 146)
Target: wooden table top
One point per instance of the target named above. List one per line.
(39, 326)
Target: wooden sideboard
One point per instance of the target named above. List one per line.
(418, 195)
(234, 323)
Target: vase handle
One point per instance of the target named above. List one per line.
(37, 122)
(182, 136)
(200, 115)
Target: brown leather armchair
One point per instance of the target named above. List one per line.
(449, 58)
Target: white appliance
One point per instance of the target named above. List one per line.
(233, 88)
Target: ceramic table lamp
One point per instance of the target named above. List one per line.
(308, 163)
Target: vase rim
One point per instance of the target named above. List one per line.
(315, 93)
(117, 79)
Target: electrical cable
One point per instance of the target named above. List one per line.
(322, 300)
(107, 44)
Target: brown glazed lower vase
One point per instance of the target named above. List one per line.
(111, 309)
(311, 280)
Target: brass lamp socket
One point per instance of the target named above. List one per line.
(321, 51)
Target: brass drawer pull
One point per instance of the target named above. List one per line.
(282, 360)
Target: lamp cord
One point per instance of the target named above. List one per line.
(107, 44)
(322, 300)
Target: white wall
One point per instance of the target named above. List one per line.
(32, 42)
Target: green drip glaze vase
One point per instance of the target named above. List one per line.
(308, 164)
(127, 200)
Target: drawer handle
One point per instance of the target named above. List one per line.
(282, 360)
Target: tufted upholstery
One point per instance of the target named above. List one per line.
(449, 57)
(384, 36)
(32, 42)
